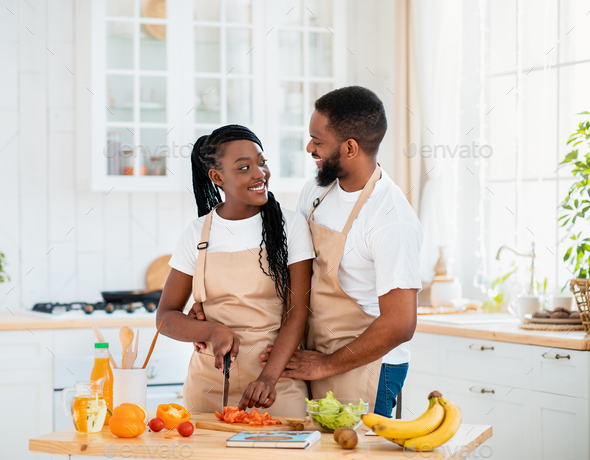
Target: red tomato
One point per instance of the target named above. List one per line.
(185, 429)
(156, 424)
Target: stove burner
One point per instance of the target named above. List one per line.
(89, 308)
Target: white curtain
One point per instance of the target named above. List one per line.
(440, 72)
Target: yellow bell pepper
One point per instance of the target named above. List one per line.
(172, 415)
(128, 421)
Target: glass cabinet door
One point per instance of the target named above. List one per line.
(136, 88)
(305, 71)
(223, 71)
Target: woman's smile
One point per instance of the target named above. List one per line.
(259, 187)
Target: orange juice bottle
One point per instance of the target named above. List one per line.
(102, 368)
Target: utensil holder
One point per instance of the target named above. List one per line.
(129, 386)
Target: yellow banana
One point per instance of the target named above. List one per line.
(394, 429)
(438, 437)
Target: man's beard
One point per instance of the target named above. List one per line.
(330, 170)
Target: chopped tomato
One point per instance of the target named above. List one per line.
(232, 414)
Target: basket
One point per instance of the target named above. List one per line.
(581, 290)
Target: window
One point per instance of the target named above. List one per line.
(537, 81)
(165, 73)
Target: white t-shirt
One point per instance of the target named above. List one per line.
(382, 248)
(239, 235)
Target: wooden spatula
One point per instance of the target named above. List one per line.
(132, 353)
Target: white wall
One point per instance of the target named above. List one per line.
(62, 244)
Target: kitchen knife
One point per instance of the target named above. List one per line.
(226, 367)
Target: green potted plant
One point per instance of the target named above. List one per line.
(3, 275)
(576, 218)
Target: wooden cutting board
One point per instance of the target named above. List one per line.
(208, 421)
(157, 273)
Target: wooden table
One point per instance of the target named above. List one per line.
(206, 444)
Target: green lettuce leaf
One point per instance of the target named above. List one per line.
(334, 415)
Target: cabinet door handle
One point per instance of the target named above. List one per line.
(481, 390)
(480, 347)
(555, 356)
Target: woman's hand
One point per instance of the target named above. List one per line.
(224, 340)
(260, 393)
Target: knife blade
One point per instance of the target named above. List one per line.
(226, 368)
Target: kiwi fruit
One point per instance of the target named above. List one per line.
(348, 439)
(563, 309)
(560, 315)
(575, 315)
(338, 432)
(541, 314)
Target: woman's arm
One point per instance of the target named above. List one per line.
(181, 327)
(287, 340)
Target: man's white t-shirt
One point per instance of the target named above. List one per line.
(382, 248)
(239, 235)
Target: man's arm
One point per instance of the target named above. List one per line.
(395, 325)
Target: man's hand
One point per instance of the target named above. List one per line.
(260, 393)
(196, 312)
(306, 365)
(223, 339)
(264, 356)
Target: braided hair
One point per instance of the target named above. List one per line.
(207, 153)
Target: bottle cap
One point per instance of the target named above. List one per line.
(101, 345)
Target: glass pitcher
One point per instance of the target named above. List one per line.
(88, 407)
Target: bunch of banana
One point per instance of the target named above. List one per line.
(433, 428)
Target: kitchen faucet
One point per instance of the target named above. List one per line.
(532, 255)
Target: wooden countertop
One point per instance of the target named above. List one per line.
(509, 332)
(22, 321)
(207, 444)
(501, 331)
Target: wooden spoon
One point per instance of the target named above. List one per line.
(126, 338)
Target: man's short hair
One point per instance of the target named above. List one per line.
(357, 113)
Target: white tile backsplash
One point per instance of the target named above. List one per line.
(109, 247)
(60, 21)
(9, 75)
(61, 82)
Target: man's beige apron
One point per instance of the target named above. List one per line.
(336, 318)
(235, 292)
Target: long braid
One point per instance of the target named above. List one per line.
(207, 152)
(274, 238)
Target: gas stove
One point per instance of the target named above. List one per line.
(108, 308)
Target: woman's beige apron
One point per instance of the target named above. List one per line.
(336, 318)
(235, 292)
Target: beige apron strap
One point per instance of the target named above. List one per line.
(362, 199)
(202, 255)
(317, 201)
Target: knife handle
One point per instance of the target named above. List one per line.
(226, 364)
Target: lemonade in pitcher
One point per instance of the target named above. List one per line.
(88, 408)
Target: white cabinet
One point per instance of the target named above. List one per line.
(535, 398)
(561, 371)
(152, 80)
(560, 427)
(26, 395)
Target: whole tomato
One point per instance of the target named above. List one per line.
(185, 429)
(156, 424)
